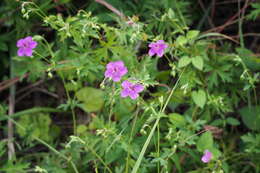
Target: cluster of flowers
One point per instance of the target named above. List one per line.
(116, 70)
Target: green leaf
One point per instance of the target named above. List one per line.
(92, 98)
(248, 58)
(2, 147)
(176, 160)
(73, 86)
(192, 34)
(81, 129)
(232, 121)
(3, 46)
(181, 40)
(36, 125)
(205, 142)
(197, 62)
(215, 152)
(199, 98)
(171, 14)
(177, 119)
(184, 61)
(18, 166)
(251, 117)
(217, 122)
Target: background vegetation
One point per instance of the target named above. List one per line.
(59, 114)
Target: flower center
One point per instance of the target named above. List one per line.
(25, 45)
(115, 70)
(157, 47)
(132, 88)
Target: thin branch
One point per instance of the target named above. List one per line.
(8, 83)
(204, 9)
(10, 128)
(110, 7)
(30, 86)
(230, 21)
(11, 150)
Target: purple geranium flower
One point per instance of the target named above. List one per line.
(115, 70)
(26, 46)
(131, 89)
(207, 156)
(157, 48)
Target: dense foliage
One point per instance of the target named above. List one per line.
(128, 86)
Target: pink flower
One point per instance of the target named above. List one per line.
(26, 46)
(115, 70)
(207, 156)
(131, 89)
(157, 48)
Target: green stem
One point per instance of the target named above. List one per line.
(111, 105)
(255, 95)
(173, 89)
(158, 146)
(138, 162)
(11, 109)
(240, 23)
(180, 13)
(129, 142)
(42, 57)
(72, 109)
(37, 8)
(74, 121)
(48, 47)
(167, 58)
(194, 113)
(141, 155)
(99, 158)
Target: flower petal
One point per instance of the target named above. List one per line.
(133, 96)
(28, 39)
(126, 84)
(151, 52)
(205, 159)
(138, 87)
(108, 73)
(118, 63)
(160, 42)
(116, 78)
(20, 52)
(20, 43)
(163, 46)
(33, 44)
(28, 52)
(122, 70)
(151, 44)
(207, 156)
(160, 52)
(109, 65)
(124, 93)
